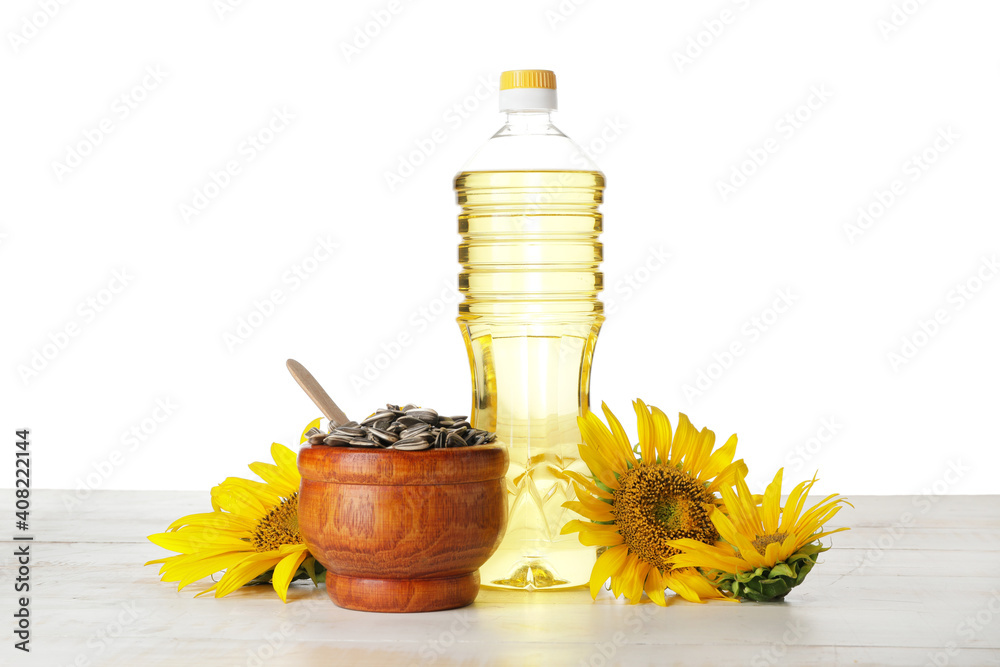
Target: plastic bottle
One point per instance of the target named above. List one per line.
(530, 276)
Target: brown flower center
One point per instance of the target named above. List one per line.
(760, 544)
(657, 504)
(279, 526)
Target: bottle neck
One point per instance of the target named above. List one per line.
(529, 121)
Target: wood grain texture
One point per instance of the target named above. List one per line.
(402, 531)
(906, 603)
(316, 393)
(403, 595)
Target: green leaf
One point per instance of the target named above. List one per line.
(782, 570)
(314, 570)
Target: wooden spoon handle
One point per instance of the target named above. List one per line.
(315, 392)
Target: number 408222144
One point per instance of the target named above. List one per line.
(22, 478)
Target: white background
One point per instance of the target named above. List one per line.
(665, 131)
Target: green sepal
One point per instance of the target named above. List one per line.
(261, 579)
(314, 570)
(770, 584)
(602, 486)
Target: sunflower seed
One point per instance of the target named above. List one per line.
(414, 430)
(378, 416)
(409, 441)
(412, 445)
(424, 415)
(384, 436)
(407, 428)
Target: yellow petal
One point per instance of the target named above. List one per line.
(172, 562)
(720, 458)
(265, 493)
(742, 515)
(645, 423)
(772, 504)
(728, 476)
(597, 535)
(683, 439)
(699, 585)
(655, 586)
(816, 516)
(816, 536)
(598, 464)
(270, 473)
(678, 584)
(285, 570)
(192, 572)
(663, 434)
(251, 567)
(608, 479)
(592, 503)
(316, 423)
(285, 459)
(588, 484)
(220, 520)
(772, 554)
(621, 583)
(239, 500)
(621, 438)
(807, 528)
(602, 454)
(698, 457)
(196, 539)
(794, 505)
(609, 564)
(593, 515)
(709, 561)
(731, 535)
(594, 530)
(749, 503)
(707, 556)
(638, 583)
(208, 590)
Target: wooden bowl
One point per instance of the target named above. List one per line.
(402, 531)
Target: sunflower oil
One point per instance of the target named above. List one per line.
(530, 317)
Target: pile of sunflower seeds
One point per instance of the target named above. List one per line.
(408, 428)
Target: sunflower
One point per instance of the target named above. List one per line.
(767, 551)
(638, 504)
(252, 533)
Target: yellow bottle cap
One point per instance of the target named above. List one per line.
(528, 78)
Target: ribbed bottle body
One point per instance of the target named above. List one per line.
(530, 317)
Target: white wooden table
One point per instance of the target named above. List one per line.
(916, 582)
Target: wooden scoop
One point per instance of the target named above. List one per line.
(315, 392)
